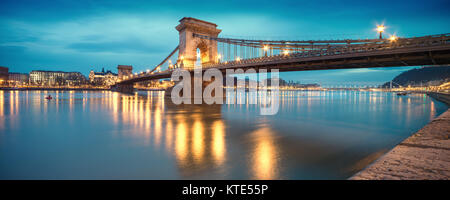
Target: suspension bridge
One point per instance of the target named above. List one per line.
(201, 46)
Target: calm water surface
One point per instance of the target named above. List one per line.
(107, 135)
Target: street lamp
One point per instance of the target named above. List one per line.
(380, 29)
(265, 49)
(182, 60)
(218, 58)
(393, 38)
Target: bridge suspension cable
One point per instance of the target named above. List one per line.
(165, 60)
(236, 49)
(231, 49)
(283, 44)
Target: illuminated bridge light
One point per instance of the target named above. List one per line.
(381, 28)
(393, 38)
(266, 47)
(238, 59)
(286, 52)
(218, 57)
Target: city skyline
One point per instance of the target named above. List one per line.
(85, 35)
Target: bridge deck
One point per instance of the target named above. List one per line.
(428, 50)
(415, 56)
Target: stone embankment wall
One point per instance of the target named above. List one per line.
(424, 155)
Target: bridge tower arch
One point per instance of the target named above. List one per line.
(189, 44)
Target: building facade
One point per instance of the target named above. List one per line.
(56, 78)
(102, 78)
(4, 75)
(18, 79)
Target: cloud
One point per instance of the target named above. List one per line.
(124, 46)
(11, 49)
(60, 34)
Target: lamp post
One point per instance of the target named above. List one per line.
(380, 29)
(393, 38)
(266, 48)
(218, 58)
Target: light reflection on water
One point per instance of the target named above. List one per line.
(108, 135)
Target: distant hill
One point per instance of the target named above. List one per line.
(433, 75)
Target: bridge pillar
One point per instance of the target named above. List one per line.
(124, 88)
(189, 44)
(124, 70)
(203, 83)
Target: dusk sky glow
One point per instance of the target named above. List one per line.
(80, 35)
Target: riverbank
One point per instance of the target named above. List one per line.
(64, 89)
(423, 156)
(77, 89)
(440, 97)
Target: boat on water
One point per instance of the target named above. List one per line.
(402, 93)
(49, 97)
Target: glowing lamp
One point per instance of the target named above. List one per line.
(393, 38)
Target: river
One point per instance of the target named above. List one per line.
(109, 135)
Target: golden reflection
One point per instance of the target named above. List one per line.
(135, 111)
(11, 102)
(148, 117)
(56, 100)
(181, 141)
(265, 156)
(218, 142)
(158, 122)
(115, 104)
(16, 99)
(2, 120)
(169, 134)
(141, 112)
(195, 134)
(408, 113)
(2, 99)
(125, 104)
(44, 112)
(197, 140)
(432, 110)
(71, 98)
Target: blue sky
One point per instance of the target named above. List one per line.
(80, 35)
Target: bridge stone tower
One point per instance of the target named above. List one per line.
(189, 44)
(124, 70)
